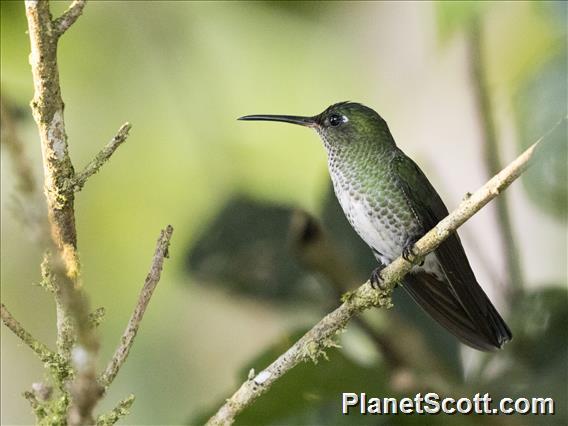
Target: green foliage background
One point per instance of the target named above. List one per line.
(181, 73)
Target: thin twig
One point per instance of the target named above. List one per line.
(321, 336)
(121, 410)
(150, 284)
(68, 18)
(102, 157)
(492, 157)
(36, 406)
(42, 351)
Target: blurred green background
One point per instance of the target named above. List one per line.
(181, 73)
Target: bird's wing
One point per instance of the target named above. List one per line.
(458, 303)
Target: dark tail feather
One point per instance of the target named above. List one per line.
(440, 301)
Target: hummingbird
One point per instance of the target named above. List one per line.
(391, 204)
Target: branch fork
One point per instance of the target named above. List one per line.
(73, 365)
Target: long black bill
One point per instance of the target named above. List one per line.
(294, 119)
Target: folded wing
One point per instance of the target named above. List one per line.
(456, 300)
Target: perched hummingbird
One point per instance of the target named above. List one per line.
(391, 204)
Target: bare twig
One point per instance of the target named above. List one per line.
(68, 18)
(102, 157)
(42, 351)
(492, 157)
(321, 336)
(150, 284)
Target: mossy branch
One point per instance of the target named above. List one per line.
(77, 341)
(314, 342)
(121, 410)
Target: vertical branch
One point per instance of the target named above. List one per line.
(77, 341)
(28, 202)
(492, 155)
(47, 109)
(65, 331)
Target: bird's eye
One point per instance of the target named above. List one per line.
(336, 119)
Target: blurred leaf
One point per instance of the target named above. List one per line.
(556, 11)
(246, 248)
(454, 16)
(538, 352)
(540, 321)
(305, 9)
(540, 103)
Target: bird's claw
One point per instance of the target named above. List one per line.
(408, 250)
(377, 280)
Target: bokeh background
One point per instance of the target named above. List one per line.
(235, 292)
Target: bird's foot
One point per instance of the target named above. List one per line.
(377, 280)
(408, 250)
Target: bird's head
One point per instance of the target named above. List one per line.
(342, 125)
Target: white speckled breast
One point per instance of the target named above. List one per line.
(383, 237)
(383, 229)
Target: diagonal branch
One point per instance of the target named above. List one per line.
(68, 18)
(321, 336)
(122, 409)
(317, 251)
(102, 157)
(150, 284)
(42, 351)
